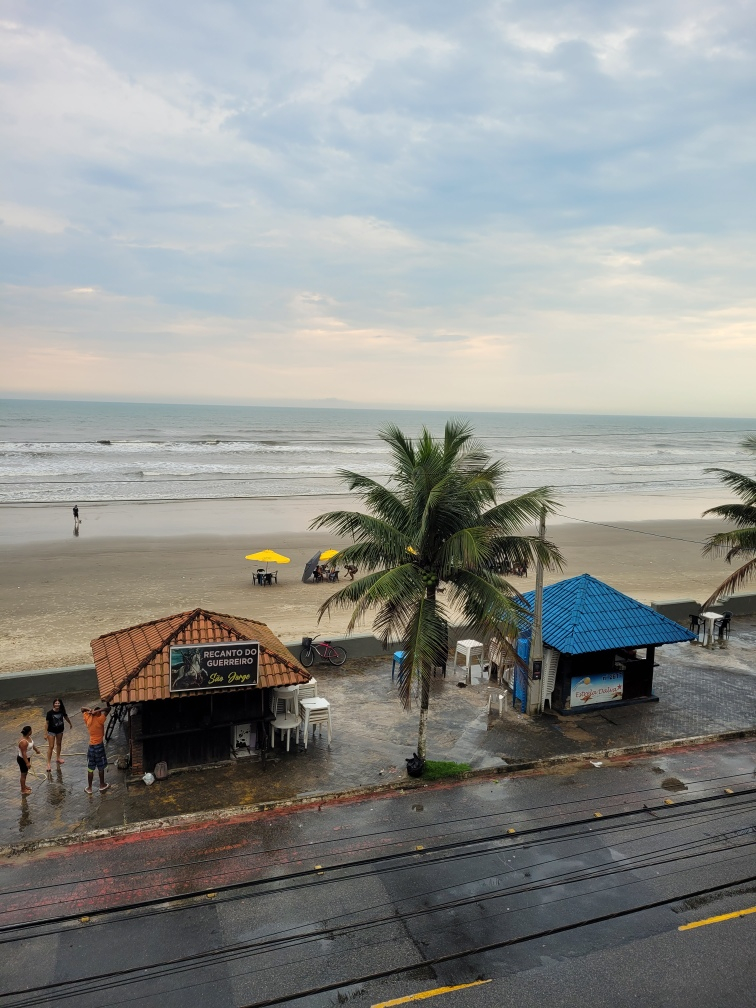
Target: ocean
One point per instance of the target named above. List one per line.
(91, 452)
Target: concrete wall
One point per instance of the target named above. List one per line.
(75, 678)
(679, 610)
(739, 604)
(55, 682)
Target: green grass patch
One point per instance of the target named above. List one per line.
(439, 769)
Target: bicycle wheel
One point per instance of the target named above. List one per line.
(336, 655)
(113, 720)
(307, 656)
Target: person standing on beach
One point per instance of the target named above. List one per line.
(23, 758)
(54, 729)
(76, 514)
(94, 718)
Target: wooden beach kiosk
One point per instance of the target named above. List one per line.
(599, 646)
(195, 686)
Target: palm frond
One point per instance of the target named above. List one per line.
(731, 543)
(380, 500)
(425, 645)
(527, 550)
(469, 547)
(508, 516)
(484, 602)
(744, 486)
(743, 515)
(364, 527)
(398, 585)
(731, 584)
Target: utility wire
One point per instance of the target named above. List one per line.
(244, 950)
(623, 528)
(604, 801)
(359, 864)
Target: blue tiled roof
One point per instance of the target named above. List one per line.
(583, 614)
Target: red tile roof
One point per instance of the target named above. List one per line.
(134, 664)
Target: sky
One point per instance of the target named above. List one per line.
(510, 205)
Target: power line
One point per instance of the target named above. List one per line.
(448, 851)
(622, 528)
(605, 801)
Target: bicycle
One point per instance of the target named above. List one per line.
(118, 714)
(323, 649)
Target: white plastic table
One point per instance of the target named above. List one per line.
(472, 652)
(709, 619)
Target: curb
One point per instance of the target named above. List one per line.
(237, 811)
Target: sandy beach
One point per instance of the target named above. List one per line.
(56, 595)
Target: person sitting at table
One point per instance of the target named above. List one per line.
(317, 574)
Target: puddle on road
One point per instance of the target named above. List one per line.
(673, 784)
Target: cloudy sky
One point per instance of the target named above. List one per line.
(516, 204)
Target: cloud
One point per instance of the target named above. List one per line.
(514, 201)
(29, 218)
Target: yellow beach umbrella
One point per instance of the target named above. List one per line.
(328, 554)
(268, 556)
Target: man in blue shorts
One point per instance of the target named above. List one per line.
(94, 718)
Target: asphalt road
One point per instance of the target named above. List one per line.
(518, 883)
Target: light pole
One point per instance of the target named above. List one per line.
(535, 670)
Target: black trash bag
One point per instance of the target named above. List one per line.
(415, 765)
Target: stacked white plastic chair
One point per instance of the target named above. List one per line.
(284, 703)
(313, 710)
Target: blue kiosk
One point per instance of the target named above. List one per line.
(599, 646)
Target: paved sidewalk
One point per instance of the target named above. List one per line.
(701, 692)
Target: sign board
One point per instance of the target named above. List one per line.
(593, 689)
(214, 666)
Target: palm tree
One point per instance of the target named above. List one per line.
(740, 541)
(438, 521)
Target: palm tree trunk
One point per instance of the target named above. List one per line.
(430, 594)
(423, 726)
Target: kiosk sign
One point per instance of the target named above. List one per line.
(214, 666)
(586, 690)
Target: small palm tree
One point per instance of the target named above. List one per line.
(740, 541)
(438, 522)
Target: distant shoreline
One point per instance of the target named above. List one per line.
(282, 516)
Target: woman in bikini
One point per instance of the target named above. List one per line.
(23, 758)
(54, 728)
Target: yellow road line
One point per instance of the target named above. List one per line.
(716, 920)
(427, 994)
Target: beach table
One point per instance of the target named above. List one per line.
(709, 619)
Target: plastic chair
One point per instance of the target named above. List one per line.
(285, 723)
(397, 660)
(696, 625)
(284, 700)
(722, 627)
(261, 575)
(315, 712)
(308, 690)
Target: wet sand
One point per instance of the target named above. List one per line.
(56, 595)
